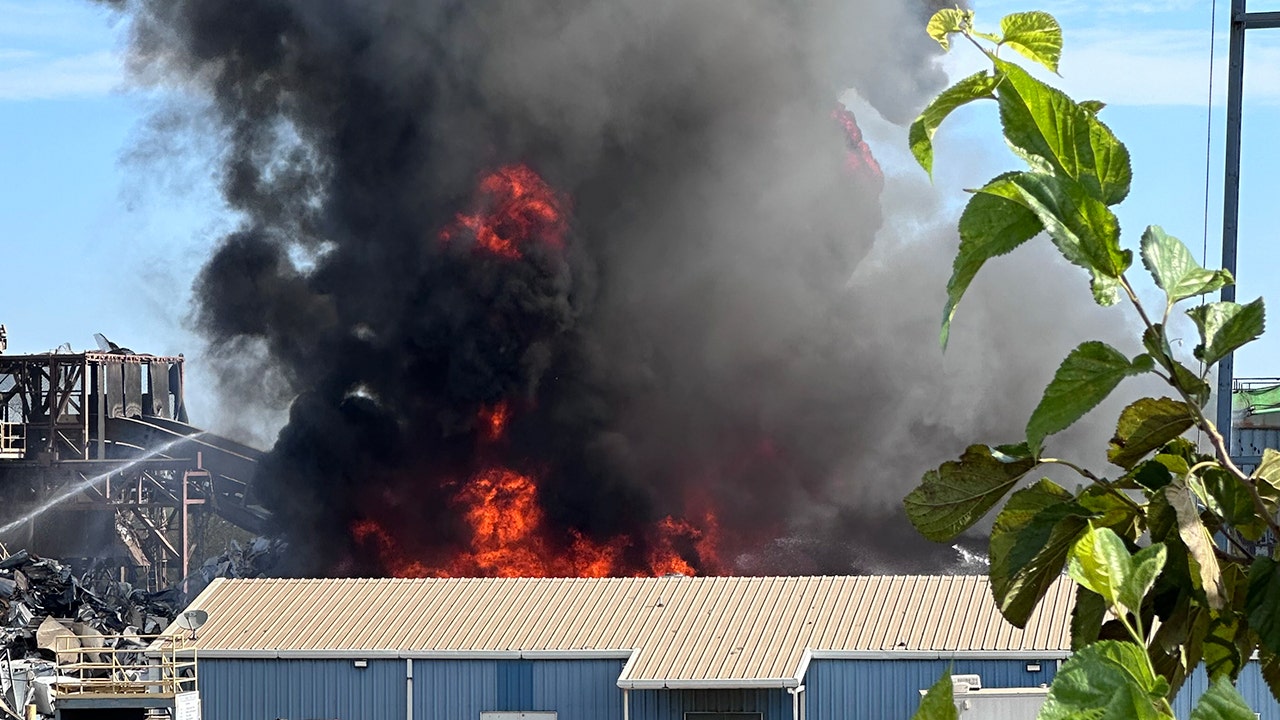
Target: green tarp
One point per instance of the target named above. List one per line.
(1258, 400)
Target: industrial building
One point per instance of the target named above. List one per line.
(704, 648)
(671, 648)
(1255, 419)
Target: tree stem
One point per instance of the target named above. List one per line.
(1207, 426)
(1100, 481)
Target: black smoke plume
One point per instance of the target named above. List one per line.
(700, 339)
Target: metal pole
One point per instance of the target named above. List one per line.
(186, 506)
(1231, 199)
(85, 382)
(101, 372)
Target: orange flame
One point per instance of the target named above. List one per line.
(493, 420)
(514, 206)
(508, 538)
(507, 535)
(369, 532)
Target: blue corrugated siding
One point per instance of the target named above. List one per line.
(890, 689)
(587, 690)
(515, 685)
(240, 689)
(1250, 684)
(1256, 693)
(673, 704)
(460, 689)
(1252, 441)
(579, 689)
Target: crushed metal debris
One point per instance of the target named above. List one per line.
(42, 599)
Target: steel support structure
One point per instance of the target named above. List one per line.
(57, 412)
(1241, 21)
(48, 398)
(153, 503)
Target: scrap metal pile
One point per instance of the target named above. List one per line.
(42, 599)
(259, 557)
(34, 588)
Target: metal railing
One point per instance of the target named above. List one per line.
(125, 665)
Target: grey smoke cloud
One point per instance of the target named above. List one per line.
(730, 322)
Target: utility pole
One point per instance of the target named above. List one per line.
(1241, 21)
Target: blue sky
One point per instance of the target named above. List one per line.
(100, 239)
(94, 240)
(1150, 62)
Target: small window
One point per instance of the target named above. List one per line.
(517, 716)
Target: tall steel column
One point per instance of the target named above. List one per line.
(1241, 20)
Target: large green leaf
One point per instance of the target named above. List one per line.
(1270, 671)
(947, 21)
(1222, 656)
(1084, 230)
(1107, 509)
(975, 87)
(1034, 35)
(1263, 602)
(1222, 702)
(1178, 455)
(1055, 134)
(1085, 378)
(1235, 582)
(939, 703)
(952, 498)
(1093, 107)
(991, 225)
(1233, 501)
(1181, 376)
(1174, 648)
(1100, 562)
(1200, 547)
(1147, 475)
(1267, 479)
(1269, 468)
(1029, 544)
(1175, 269)
(1143, 569)
(1145, 426)
(1225, 326)
(1109, 680)
(1087, 616)
(1201, 494)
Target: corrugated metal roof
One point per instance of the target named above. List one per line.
(682, 629)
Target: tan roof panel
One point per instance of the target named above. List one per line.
(681, 629)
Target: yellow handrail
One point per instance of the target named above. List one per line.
(11, 440)
(98, 664)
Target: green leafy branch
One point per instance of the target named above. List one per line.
(1157, 594)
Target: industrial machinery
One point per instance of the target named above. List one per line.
(98, 463)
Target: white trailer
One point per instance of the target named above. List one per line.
(977, 703)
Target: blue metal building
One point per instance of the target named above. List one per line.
(829, 648)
